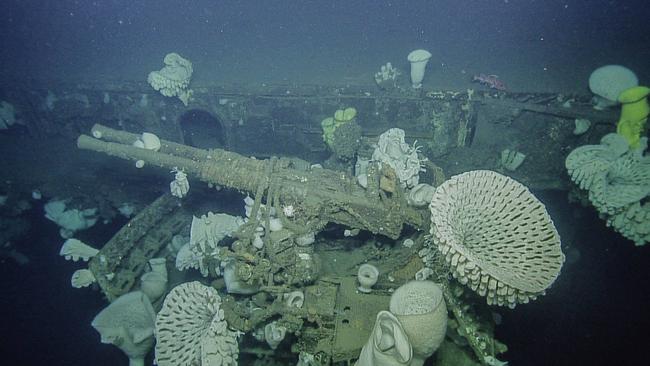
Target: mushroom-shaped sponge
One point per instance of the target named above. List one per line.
(191, 330)
(611, 80)
(496, 236)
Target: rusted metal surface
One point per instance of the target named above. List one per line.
(122, 260)
(466, 129)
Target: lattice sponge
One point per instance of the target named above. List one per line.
(191, 330)
(588, 165)
(496, 236)
(633, 222)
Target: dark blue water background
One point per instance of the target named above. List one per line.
(597, 311)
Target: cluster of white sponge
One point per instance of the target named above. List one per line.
(402, 157)
(617, 180)
(202, 251)
(173, 80)
(69, 220)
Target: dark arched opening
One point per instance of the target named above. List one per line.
(202, 130)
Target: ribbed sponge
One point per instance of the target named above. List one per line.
(496, 236)
(617, 180)
(191, 330)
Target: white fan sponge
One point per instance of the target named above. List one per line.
(418, 60)
(75, 249)
(202, 252)
(496, 236)
(186, 258)
(191, 330)
(173, 79)
(208, 230)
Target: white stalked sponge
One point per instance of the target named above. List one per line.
(418, 60)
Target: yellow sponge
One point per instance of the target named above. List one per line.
(634, 114)
(330, 124)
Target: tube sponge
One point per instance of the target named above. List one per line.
(154, 283)
(420, 308)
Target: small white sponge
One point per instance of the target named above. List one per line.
(82, 278)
